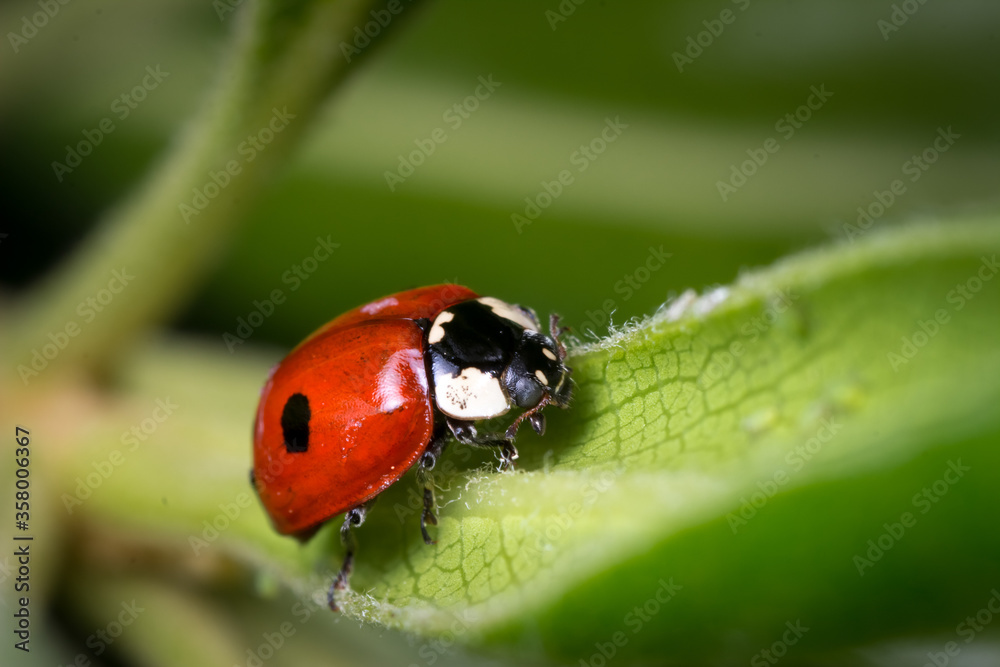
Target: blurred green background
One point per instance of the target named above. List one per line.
(655, 186)
(451, 220)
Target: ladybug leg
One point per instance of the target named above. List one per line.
(354, 517)
(508, 454)
(427, 516)
(465, 432)
(426, 479)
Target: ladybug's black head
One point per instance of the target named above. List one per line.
(488, 356)
(537, 370)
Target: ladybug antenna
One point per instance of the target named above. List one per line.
(556, 331)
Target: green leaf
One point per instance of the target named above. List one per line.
(724, 466)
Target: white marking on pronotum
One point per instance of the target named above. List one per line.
(437, 330)
(549, 353)
(472, 394)
(507, 311)
(541, 377)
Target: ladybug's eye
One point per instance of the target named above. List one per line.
(295, 423)
(523, 388)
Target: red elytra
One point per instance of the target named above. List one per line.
(370, 414)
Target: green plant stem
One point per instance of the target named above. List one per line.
(283, 60)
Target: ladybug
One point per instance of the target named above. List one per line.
(384, 388)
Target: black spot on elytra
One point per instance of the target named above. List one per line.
(295, 423)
